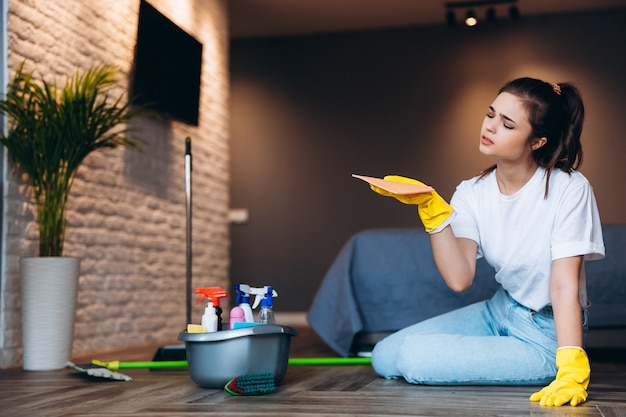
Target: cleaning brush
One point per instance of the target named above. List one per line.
(251, 384)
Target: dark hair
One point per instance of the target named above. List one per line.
(556, 112)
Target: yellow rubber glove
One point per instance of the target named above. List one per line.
(571, 382)
(432, 209)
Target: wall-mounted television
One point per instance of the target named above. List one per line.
(167, 67)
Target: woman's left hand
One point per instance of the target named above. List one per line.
(571, 382)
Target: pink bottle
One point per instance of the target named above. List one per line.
(236, 315)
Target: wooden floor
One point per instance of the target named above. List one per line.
(305, 391)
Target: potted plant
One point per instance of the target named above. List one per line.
(49, 134)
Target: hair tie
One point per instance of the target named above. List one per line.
(557, 89)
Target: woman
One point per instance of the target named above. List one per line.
(534, 218)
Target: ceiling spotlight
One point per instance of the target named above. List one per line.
(491, 15)
(514, 13)
(470, 18)
(450, 18)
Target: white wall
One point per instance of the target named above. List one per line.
(126, 218)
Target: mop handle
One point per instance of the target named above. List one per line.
(115, 365)
(188, 223)
(330, 361)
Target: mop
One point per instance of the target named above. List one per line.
(166, 356)
(177, 351)
(247, 384)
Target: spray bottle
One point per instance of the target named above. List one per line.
(243, 300)
(266, 315)
(212, 317)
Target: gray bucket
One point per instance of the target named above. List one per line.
(215, 358)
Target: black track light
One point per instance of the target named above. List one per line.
(450, 18)
(486, 8)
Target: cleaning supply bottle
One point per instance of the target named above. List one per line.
(266, 315)
(237, 315)
(212, 317)
(243, 300)
(247, 310)
(209, 318)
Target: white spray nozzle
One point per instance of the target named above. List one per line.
(259, 293)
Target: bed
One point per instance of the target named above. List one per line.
(385, 279)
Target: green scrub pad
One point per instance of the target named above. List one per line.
(251, 384)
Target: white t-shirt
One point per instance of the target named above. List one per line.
(521, 234)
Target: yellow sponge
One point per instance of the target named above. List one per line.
(195, 328)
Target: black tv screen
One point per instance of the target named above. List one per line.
(167, 68)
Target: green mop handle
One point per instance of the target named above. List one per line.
(115, 365)
(153, 364)
(330, 361)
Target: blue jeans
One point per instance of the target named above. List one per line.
(493, 342)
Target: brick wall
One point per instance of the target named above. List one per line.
(126, 218)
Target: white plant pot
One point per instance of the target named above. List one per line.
(49, 289)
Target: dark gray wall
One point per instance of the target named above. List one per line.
(309, 111)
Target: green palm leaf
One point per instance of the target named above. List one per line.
(51, 131)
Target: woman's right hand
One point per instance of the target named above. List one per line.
(433, 210)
